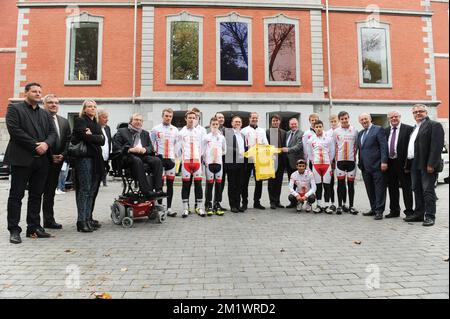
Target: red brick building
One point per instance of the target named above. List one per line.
(230, 56)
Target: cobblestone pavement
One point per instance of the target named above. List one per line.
(257, 254)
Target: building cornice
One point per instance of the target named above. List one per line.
(291, 5)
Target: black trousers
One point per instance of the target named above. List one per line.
(224, 176)
(396, 178)
(249, 169)
(275, 184)
(34, 176)
(289, 171)
(236, 178)
(376, 190)
(423, 185)
(48, 200)
(136, 163)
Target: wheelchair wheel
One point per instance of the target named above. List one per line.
(162, 216)
(127, 222)
(117, 213)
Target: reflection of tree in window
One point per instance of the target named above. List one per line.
(233, 51)
(184, 55)
(282, 62)
(84, 51)
(374, 56)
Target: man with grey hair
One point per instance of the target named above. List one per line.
(373, 161)
(103, 118)
(58, 154)
(397, 135)
(425, 162)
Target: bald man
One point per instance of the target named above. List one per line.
(373, 161)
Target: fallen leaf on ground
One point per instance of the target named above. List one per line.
(104, 295)
(69, 251)
(445, 258)
(282, 250)
(7, 286)
(124, 269)
(357, 242)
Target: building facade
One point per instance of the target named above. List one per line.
(292, 57)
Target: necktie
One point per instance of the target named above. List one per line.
(363, 136)
(392, 144)
(56, 124)
(289, 139)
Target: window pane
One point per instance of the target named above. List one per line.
(184, 62)
(233, 51)
(84, 52)
(374, 56)
(282, 55)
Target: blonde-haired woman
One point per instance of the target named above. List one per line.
(89, 168)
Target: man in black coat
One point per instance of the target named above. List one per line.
(32, 133)
(234, 163)
(397, 135)
(373, 162)
(134, 147)
(276, 137)
(424, 161)
(58, 153)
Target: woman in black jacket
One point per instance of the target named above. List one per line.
(88, 169)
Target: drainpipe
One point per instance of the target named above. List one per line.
(330, 86)
(134, 52)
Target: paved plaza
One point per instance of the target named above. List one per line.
(257, 254)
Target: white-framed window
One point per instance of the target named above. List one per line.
(234, 50)
(84, 42)
(282, 50)
(184, 49)
(374, 55)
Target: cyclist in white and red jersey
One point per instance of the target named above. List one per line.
(190, 151)
(321, 153)
(165, 142)
(214, 147)
(302, 187)
(313, 118)
(345, 138)
(334, 124)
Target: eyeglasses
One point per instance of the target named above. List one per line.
(419, 111)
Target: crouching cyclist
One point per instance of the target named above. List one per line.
(302, 188)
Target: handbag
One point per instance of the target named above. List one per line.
(77, 150)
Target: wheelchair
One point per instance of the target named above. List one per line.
(132, 204)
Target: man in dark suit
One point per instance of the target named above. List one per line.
(276, 137)
(424, 162)
(234, 163)
(32, 133)
(58, 153)
(373, 161)
(133, 146)
(397, 135)
(293, 149)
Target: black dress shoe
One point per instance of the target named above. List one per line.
(84, 227)
(413, 219)
(95, 223)
(428, 222)
(14, 238)
(38, 233)
(243, 208)
(53, 225)
(234, 210)
(258, 206)
(369, 213)
(378, 216)
(392, 215)
(273, 206)
(280, 206)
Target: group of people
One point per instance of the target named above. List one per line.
(400, 156)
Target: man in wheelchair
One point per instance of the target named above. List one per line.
(133, 149)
